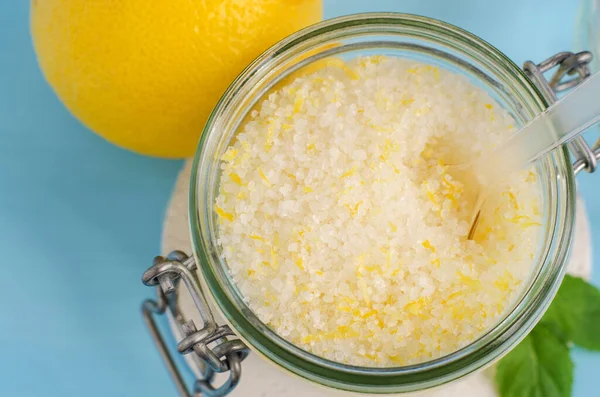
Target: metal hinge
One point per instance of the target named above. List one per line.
(570, 70)
(225, 355)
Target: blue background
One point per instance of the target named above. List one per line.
(80, 219)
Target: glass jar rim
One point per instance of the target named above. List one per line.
(498, 339)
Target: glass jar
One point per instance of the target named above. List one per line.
(399, 35)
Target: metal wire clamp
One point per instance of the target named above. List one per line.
(225, 355)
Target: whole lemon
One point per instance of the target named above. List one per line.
(146, 74)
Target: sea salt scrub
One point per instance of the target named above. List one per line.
(344, 228)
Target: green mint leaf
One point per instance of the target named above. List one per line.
(540, 366)
(575, 313)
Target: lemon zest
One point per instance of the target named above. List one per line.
(256, 237)
(348, 173)
(229, 155)
(353, 210)
(236, 178)
(427, 245)
(223, 214)
(298, 104)
(300, 264)
(264, 177)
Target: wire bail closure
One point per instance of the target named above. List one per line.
(571, 70)
(227, 354)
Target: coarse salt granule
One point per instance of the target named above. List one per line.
(343, 226)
